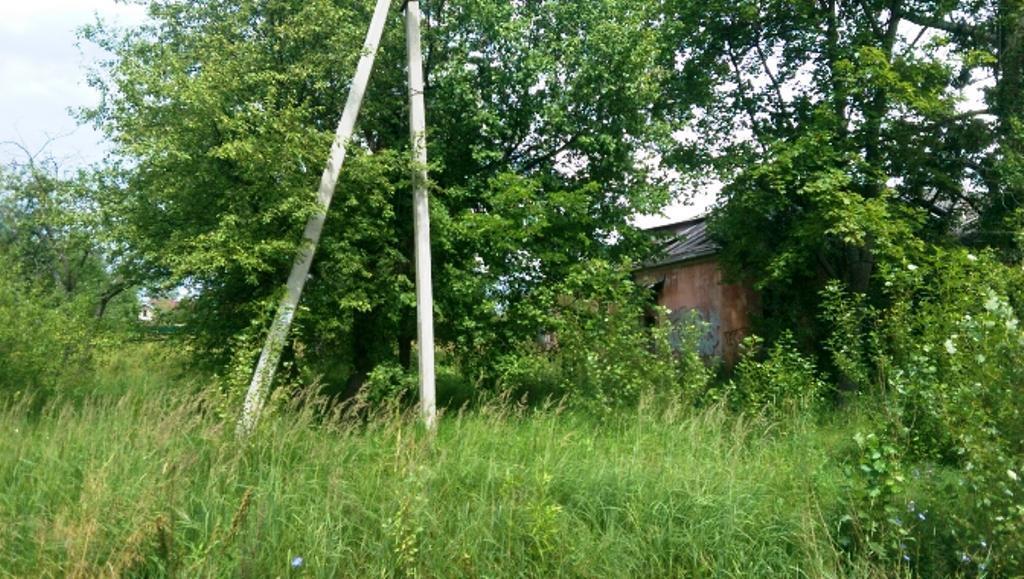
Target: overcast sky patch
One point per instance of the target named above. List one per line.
(43, 72)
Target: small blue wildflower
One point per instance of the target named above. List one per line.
(965, 559)
(297, 562)
(921, 516)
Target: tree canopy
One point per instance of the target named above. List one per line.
(847, 134)
(537, 114)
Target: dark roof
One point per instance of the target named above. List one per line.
(682, 241)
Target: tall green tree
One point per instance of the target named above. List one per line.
(847, 132)
(53, 229)
(538, 112)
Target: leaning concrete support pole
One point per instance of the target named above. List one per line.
(271, 355)
(421, 216)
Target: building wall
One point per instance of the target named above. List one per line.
(697, 285)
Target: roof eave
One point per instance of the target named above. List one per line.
(677, 260)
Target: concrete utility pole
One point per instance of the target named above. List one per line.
(271, 355)
(421, 216)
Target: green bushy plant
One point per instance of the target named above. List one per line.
(531, 373)
(597, 352)
(773, 379)
(945, 351)
(44, 344)
(962, 403)
(875, 522)
(853, 343)
(389, 383)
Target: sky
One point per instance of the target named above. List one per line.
(43, 75)
(43, 69)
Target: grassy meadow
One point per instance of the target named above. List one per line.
(137, 478)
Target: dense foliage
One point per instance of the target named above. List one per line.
(849, 136)
(225, 110)
(945, 358)
(45, 345)
(870, 154)
(53, 231)
(848, 133)
(62, 294)
(596, 352)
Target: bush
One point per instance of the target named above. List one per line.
(776, 379)
(946, 352)
(596, 351)
(43, 343)
(389, 383)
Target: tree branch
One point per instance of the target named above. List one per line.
(744, 99)
(772, 77)
(962, 29)
(875, 28)
(892, 29)
(116, 288)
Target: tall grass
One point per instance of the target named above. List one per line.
(145, 483)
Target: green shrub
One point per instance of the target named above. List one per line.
(962, 402)
(389, 383)
(946, 352)
(875, 522)
(774, 379)
(597, 353)
(44, 344)
(531, 373)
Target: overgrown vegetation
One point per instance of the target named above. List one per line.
(138, 480)
(943, 356)
(45, 344)
(873, 426)
(595, 350)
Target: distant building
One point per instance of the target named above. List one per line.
(686, 278)
(153, 309)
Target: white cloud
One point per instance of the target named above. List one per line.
(19, 17)
(42, 72)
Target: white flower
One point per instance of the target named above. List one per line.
(992, 303)
(972, 257)
(1013, 476)
(950, 346)
(911, 267)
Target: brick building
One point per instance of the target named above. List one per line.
(686, 277)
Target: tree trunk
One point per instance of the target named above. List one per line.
(1010, 83)
(106, 297)
(364, 355)
(405, 349)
